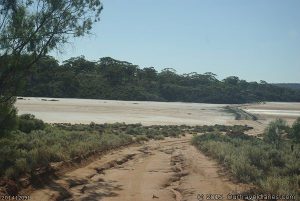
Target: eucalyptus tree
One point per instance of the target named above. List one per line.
(29, 29)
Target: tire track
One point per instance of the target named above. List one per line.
(168, 170)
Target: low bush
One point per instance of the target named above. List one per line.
(141, 138)
(274, 133)
(295, 131)
(252, 160)
(28, 123)
(280, 185)
(23, 153)
(158, 137)
(8, 117)
(36, 144)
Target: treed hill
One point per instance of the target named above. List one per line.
(120, 80)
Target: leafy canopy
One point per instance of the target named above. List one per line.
(29, 29)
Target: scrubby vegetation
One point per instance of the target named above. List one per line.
(8, 117)
(295, 131)
(111, 79)
(275, 132)
(25, 153)
(28, 122)
(35, 144)
(271, 163)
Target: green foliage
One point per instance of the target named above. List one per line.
(27, 123)
(141, 138)
(23, 153)
(35, 27)
(275, 131)
(280, 185)
(289, 85)
(29, 29)
(252, 160)
(295, 131)
(112, 79)
(8, 117)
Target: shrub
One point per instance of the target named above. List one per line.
(295, 131)
(243, 170)
(158, 137)
(257, 157)
(24, 153)
(274, 132)
(276, 158)
(27, 123)
(8, 118)
(141, 138)
(279, 185)
(252, 160)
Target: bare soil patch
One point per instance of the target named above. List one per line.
(109, 111)
(170, 169)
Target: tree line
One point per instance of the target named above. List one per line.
(109, 78)
(289, 85)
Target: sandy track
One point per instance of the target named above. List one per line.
(171, 169)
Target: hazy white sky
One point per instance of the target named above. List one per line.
(253, 39)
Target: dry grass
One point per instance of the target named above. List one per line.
(252, 160)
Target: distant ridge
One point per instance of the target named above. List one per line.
(288, 85)
(112, 79)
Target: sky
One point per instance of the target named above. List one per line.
(252, 39)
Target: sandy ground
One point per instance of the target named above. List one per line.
(152, 113)
(171, 169)
(110, 111)
(167, 170)
(272, 110)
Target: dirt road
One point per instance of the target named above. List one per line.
(171, 169)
